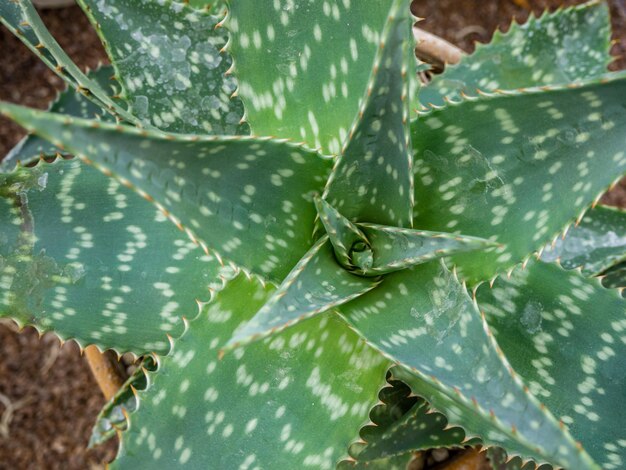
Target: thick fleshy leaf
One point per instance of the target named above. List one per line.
(303, 68)
(557, 48)
(22, 18)
(595, 244)
(167, 56)
(475, 162)
(418, 429)
(423, 319)
(372, 250)
(566, 336)
(395, 401)
(84, 256)
(12, 16)
(258, 407)
(615, 277)
(396, 248)
(214, 187)
(372, 180)
(68, 102)
(215, 7)
(500, 461)
(113, 417)
(316, 284)
(403, 423)
(344, 235)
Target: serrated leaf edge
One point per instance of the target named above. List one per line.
(510, 432)
(82, 82)
(563, 235)
(410, 43)
(370, 423)
(184, 6)
(224, 279)
(502, 32)
(608, 77)
(9, 159)
(68, 121)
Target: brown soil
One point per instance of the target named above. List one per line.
(27, 80)
(56, 395)
(55, 400)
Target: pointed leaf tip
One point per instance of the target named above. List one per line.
(315, 285)
(373, 250)
(344, 235)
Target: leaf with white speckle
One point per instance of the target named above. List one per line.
(343, 234)
(566, 336)
(403, 423)
(396, 248)
(257, 407)
(170, 64)
(557, 48)
(68, 102)
(422, 319)
(315, 285)
(289, 53)
(373, 250)
(475, 162)
(372, 181)
(215, 7)
(595, 244)
(87, 248)
(84, 256)
(21, 17)
(214, 187)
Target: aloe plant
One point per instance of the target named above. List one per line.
(321, 267)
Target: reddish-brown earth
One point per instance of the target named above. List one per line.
(57, 398)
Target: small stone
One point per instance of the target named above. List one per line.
(439, 455)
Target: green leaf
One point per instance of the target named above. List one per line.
(86, 257)
(170, 67)
(557, 48)
(566, 336)
(215, 7)
(423, 319)
(596, 244)
(344, 235)
(216, 188)
(12, 16)
(113, 417)
(401, 424)
(615, 277)
(396, 248)
(475, 162)
(303, 68)
(315, 285)
(68, 102)
(500, 461)
(257, 407)
(39, 39)
(372, 180)
(372, 250)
